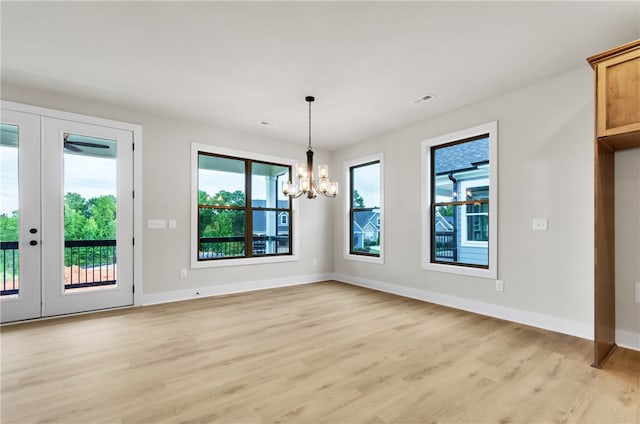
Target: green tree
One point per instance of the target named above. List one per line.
(9, 231)
(358, 201)
(204, 198)
(74, 224)
(221, 222)
(76, 202)
(9, 226)
(216, 222)
(93, 219)
(102, 210)
(225, 198)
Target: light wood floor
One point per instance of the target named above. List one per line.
(320, 353)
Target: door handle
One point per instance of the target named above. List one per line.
(33, 243)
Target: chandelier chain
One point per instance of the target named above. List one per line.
(309, 126)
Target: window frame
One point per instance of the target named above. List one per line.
(491, 271)
(196, 149)
(464, 186)
(347, 231)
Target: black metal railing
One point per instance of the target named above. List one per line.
(229, 247)
(10, 267)
(89, 263)
(446, 248)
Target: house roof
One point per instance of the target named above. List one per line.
(461, 156)
(365, 217)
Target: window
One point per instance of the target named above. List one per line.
(240, 213)
(474, 222)
(364, 237)
(459, 218)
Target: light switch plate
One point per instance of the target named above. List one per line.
(539, 224)
(172, 224)
(157, 224)
(638, 292)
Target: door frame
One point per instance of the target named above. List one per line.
(137, 175)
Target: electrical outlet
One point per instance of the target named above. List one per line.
(539, 224)
(499, 285)
(172, 224)
(183, 273)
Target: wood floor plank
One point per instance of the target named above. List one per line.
(325, 353)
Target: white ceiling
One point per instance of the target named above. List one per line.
(234, 64)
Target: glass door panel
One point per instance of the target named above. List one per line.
(10, 213)
(20, 216)
(88, 214)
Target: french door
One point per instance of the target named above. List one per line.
(66, 223)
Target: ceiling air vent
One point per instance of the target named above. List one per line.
(422, 99)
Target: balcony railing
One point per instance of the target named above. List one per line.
(87, 263)
(229, 247)
(446, 246)
(10, 267)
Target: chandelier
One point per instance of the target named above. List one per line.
(306, 184)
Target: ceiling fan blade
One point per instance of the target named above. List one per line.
(85, 144)
(71, 147)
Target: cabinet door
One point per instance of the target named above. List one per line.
(618, 94)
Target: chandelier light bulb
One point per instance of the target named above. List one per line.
(333, 188)
(323, 184)
(304, 184)
(301, 170)
(323, 171)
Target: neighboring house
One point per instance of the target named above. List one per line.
(443, 224)
(366, 228)
(270, 230)
(463, 231)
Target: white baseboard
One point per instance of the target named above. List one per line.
(217, 290)
(624, 339)
(534, 319)
(628, 339)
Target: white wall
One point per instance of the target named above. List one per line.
(627, 181)
(545, 154)
(545, 168)
(167, 195)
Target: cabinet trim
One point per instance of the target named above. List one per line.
(595, 59)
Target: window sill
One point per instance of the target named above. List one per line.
(364, 258)
(243, 261)
(461, 270)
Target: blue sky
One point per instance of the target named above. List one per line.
(368, 184)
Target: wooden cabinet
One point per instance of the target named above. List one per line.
(618, 96)
(617, 127)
